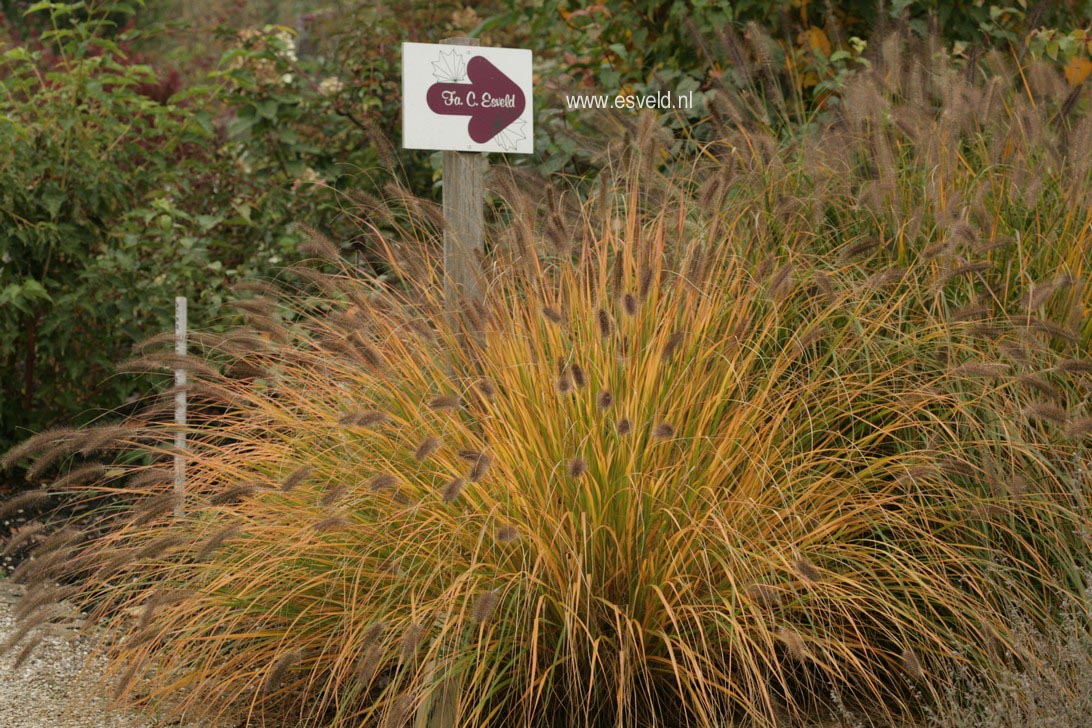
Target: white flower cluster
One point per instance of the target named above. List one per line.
(331, 86)
(277, 39)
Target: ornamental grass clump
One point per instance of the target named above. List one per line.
(694, 456)
(749, 492)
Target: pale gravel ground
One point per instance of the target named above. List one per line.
(55, 687)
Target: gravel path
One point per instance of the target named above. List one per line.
(55, 686)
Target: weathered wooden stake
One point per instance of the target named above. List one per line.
(463, 186)
(180, 326)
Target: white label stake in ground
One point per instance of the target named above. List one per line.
(466, 98)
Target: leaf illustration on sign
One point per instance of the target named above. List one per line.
(451, 68)
(491, 99)
(510, 136)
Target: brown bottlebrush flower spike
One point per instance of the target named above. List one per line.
(401, 711)
(507, 534)
(365, 418)
(577, 468)
(480, 467)
(1075, 366)
(453, 488)
(552, 315)
(969, 313)
(487, 389)
(605, 400)
(150, 478)
(330, 523)
(765, 595)
(27, 651)
(411, 640)
(806, 570)
(954, 465)
(1045, 411)
(645, 283)
(578, 376)
(1052, 329)
(23, 535)
(793, 642)
(100, 438)
(673, 342)
(663, 431)
(83, 475)
(40, 568)
(912, 665)
(483, 606)
(39, 595)
(218, 539)
(629, 304)
(428, 446)
(382, 481)
(1041, 385)
(865, 246)
(1079, 428)
(279, 670)
(624, 427)
(604, 323)
(445, 402)
(332, 495)
(781, 282)
(234, 494)
(152, 507)
(39, 444)
(22, 501)
(368, 664)
(295, 478)
(564, 384)
(983, 370)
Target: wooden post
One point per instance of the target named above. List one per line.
(180, 326)
(463, 186)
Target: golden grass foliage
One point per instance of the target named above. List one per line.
(701, 452)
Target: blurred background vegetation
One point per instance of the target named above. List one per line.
(172, 148)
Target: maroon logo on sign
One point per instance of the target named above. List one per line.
(491, 99)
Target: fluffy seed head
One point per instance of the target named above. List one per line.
(793, 642)
(480, 467)
(295, 478)
(445, 402)
(624, 427)
(484, 606)
(663, 431)
(382, 481)
(453, 488)
(805, 569)
(428, 446)
(365, 418)
(507, 534)
(577, 468)
(1045, 411)
(603, 319)
(330, 523)
(629, 304)
(578, 376)
(22, 501)
(605, 400)
(911, 664)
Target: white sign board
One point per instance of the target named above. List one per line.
(466, 98)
